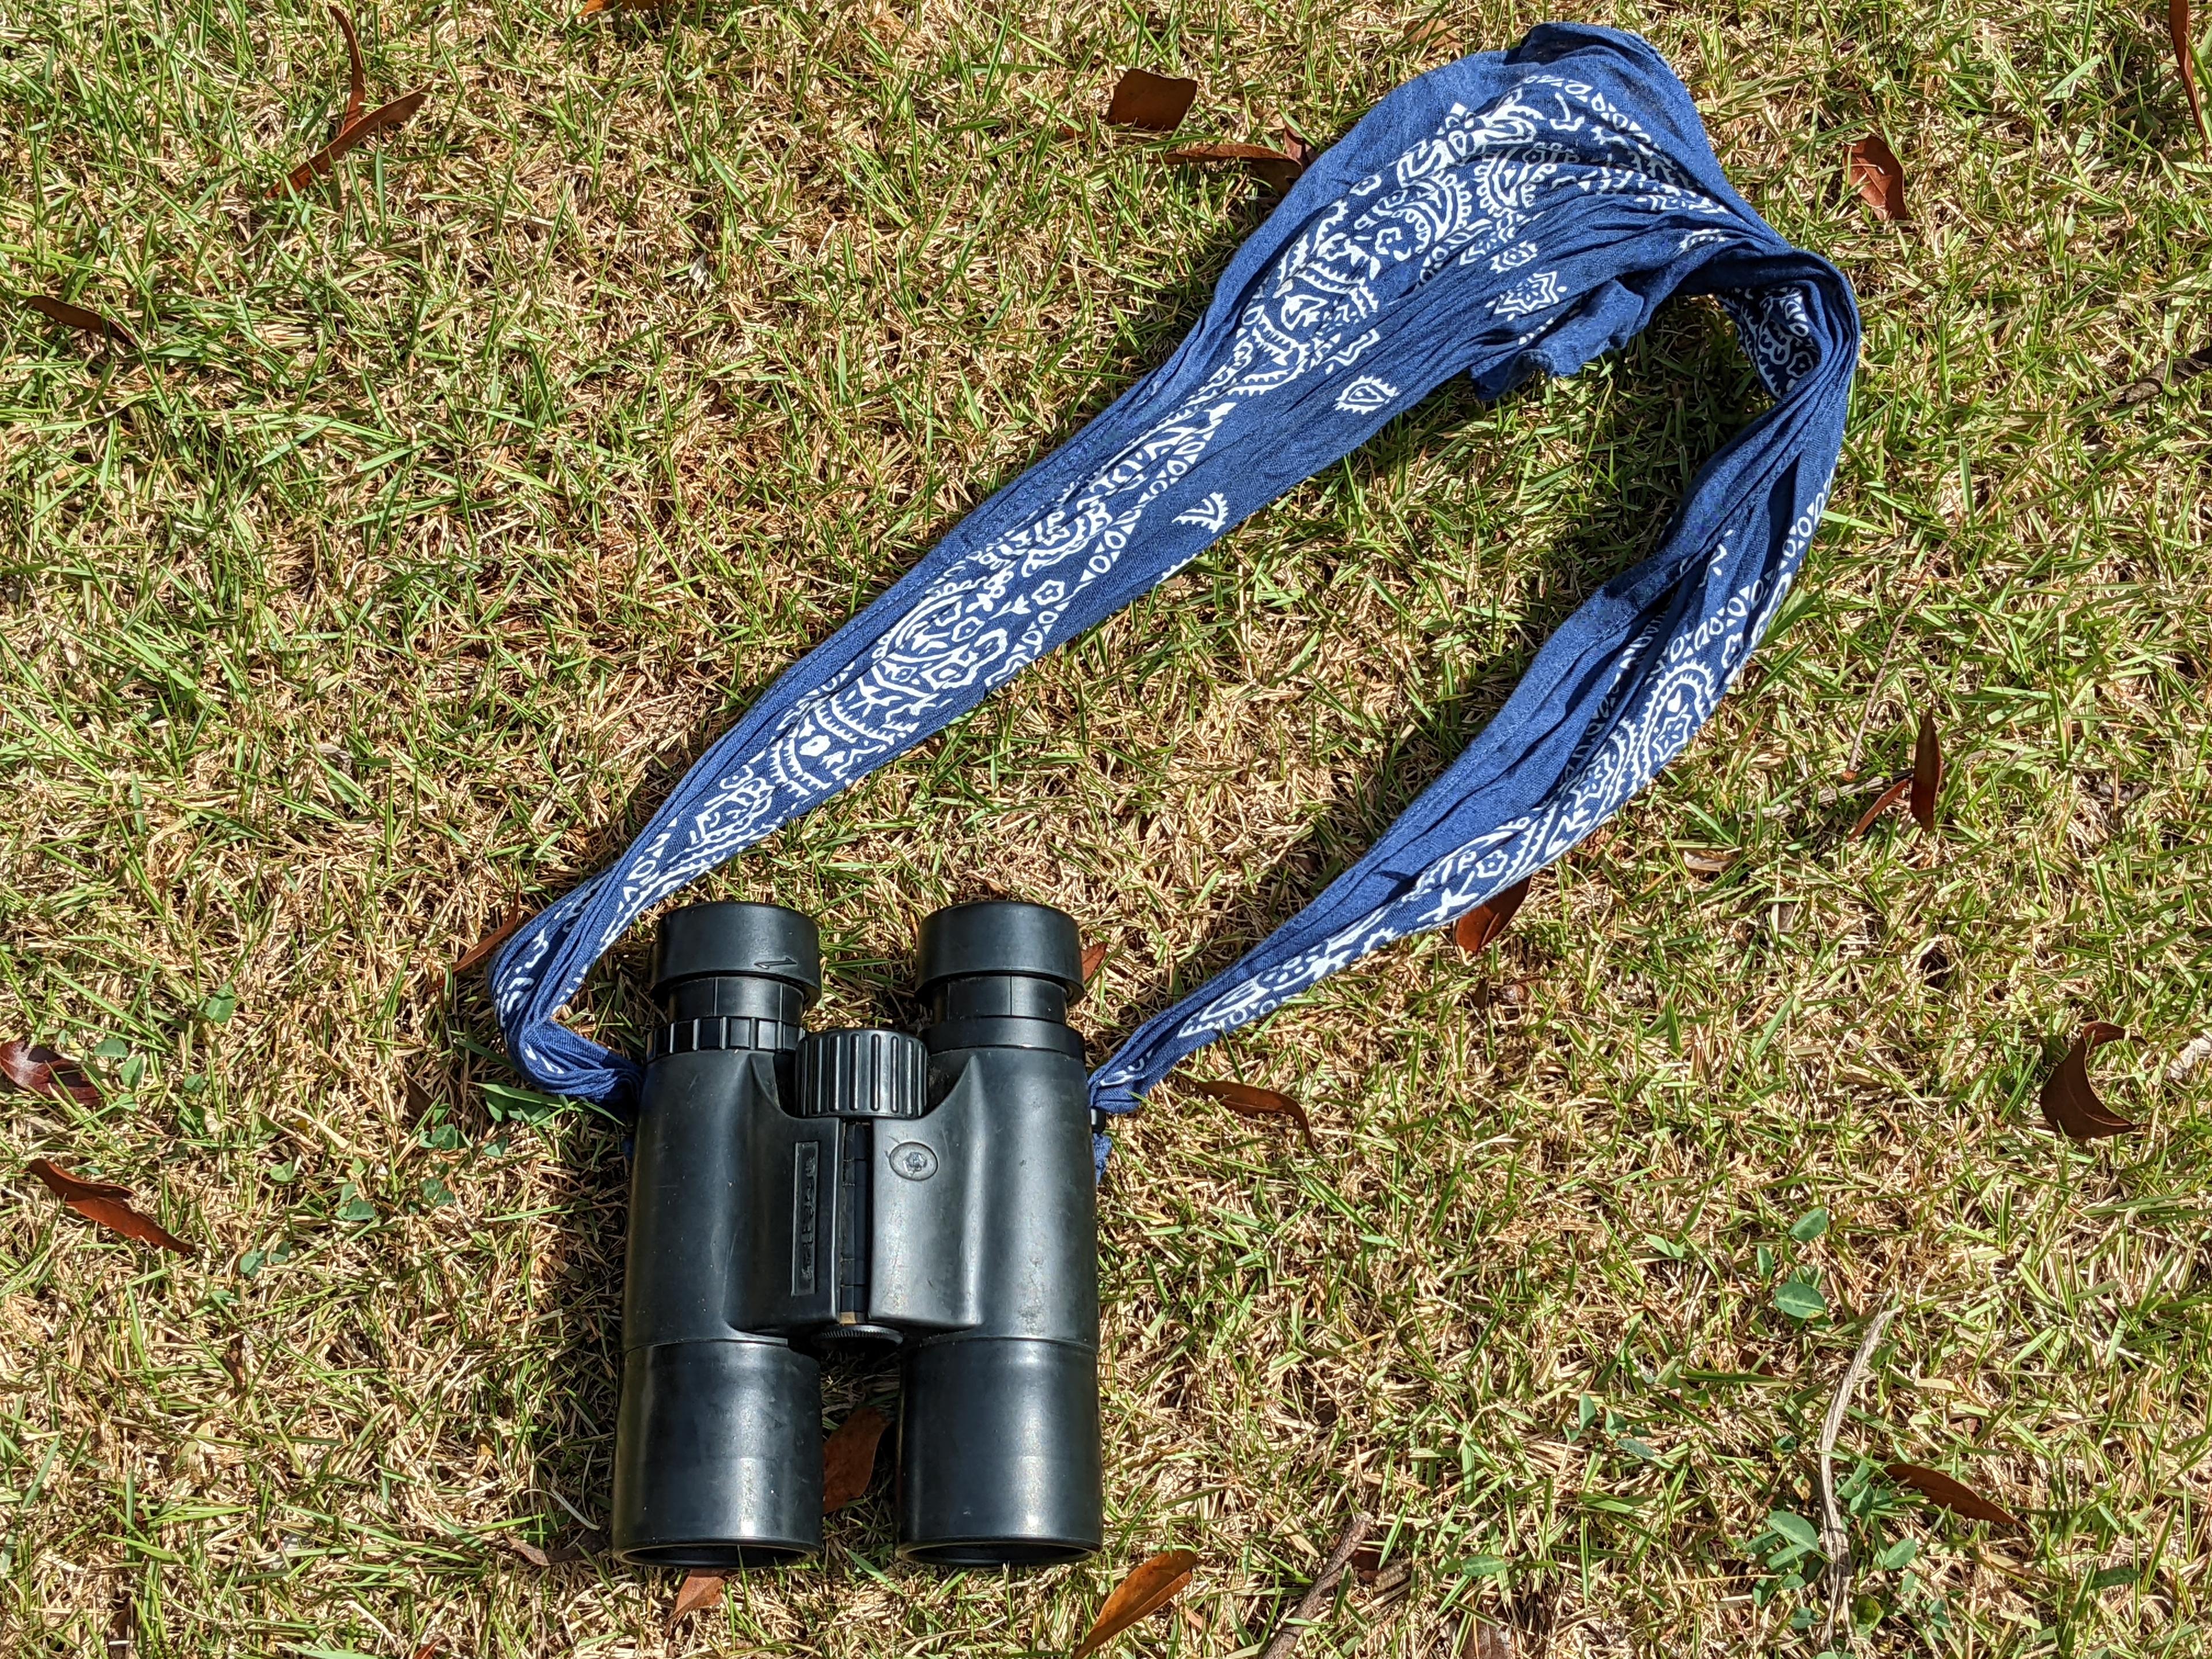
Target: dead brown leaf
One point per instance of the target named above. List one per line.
(1094, 954)
(1156, 102)
(1278, 169)
(1927, 774)
(1872, 169)
(1707, 860)
(85, 322)
(106, 1204)
(1940, 1489)
(356, 76)
(2176, 27)
(431, 1648)
(1882, 803)
(1479, 929)
(2070, 1104)
(318, 164)
(1487, 1641)
(1429, 34)
(1146, 1590)
(699, 1589)
(487, 947)
(421, 1103)
(848, 1458)
(582, 1548)
(2175, 372)
(42, 1071)
(1246, 1101)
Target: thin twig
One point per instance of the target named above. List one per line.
(1835, 1541)
(1317, 1593)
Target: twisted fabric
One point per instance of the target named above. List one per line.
(1511, 215)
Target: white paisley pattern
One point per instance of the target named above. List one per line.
(1474, 192)
(1624, 749)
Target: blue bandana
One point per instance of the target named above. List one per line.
(1511, 214)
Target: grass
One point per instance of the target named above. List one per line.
(453, 509)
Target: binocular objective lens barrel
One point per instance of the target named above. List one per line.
(718, 1446)
(999, 1453)
(718, 1456)
(797, 1193)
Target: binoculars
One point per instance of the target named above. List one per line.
(796, 1194)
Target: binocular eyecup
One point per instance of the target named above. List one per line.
(796, 1195)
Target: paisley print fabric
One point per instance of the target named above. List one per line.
(1511, 215)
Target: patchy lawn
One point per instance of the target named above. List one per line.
(452, 508)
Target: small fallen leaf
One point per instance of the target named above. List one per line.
(487, 947)
(1882, 803)
(1940, 1488)
(41, 1070)
(1223, 153)
(1873, 170)
(848, 1458)
(1154, 102)
(2070, 1104)
(106, 1204)
(1476, 931)
(85, 322)
(1146, 1590)
(699, 1589)
(1246, 1101)
(431, 1648)
(593, 6)
(1487, 1641)
(2174, 372)
(1707, 860)
(1093, 955)
(2176, 27)
(421, 1103)
(1429, 34)
(582, 1547)
(318, 164)
(356, 76)
(1276, 168)
(1927, 774)
(1367, 1565)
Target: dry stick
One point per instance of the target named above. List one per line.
(1309, 1604)
(1835, 1542)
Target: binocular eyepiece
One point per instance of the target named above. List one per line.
(795, 1193)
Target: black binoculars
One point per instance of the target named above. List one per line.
(798, 1193)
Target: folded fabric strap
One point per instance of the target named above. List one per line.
(1513, 214)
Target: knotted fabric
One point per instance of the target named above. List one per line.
(1511, 215)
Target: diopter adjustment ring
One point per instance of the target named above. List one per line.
(864, 1073)
(717, 1031)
